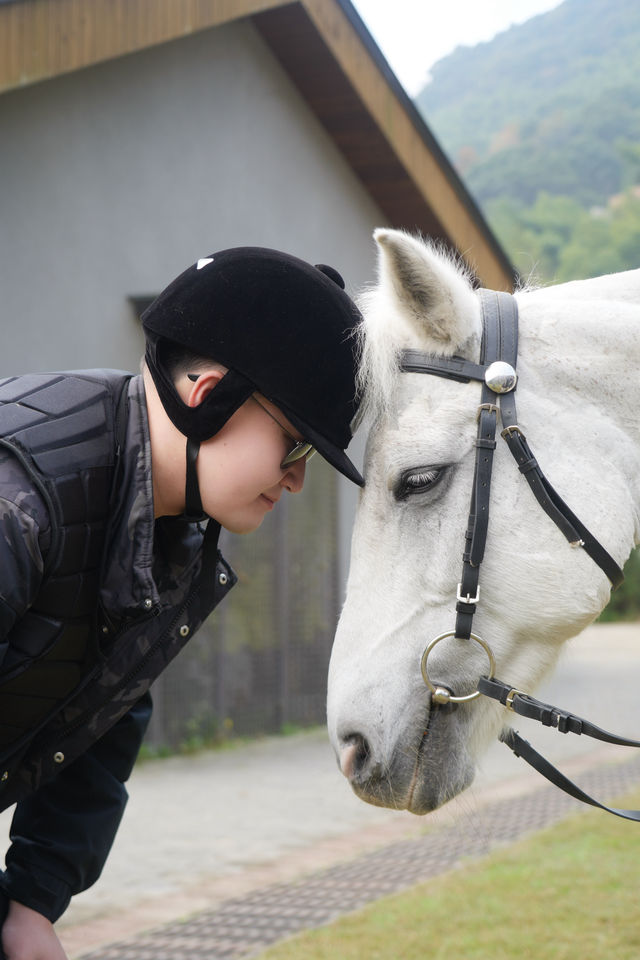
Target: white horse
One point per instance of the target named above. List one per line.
(578, 404)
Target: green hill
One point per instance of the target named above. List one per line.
(552, 104)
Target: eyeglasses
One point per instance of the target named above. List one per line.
(301, 449)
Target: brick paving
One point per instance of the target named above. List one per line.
(243, 927)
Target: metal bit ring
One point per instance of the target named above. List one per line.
(439, 693)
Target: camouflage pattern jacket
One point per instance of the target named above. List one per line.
(96, 598)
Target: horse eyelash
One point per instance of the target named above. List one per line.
(417, 481)
(420, 479)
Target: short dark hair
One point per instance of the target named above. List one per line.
(178, 360)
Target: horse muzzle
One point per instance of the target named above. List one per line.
(424, 768)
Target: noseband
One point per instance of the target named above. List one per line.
(497, 374)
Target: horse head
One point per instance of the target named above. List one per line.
(577, 367)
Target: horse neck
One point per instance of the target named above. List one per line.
(585, 353)
(594, 350)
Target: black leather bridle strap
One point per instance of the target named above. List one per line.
(555, 507)
(549, 716)
(453, 368)
(522, 748)
(527, 706)
(499, 334)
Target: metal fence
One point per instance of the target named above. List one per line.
(259, 664)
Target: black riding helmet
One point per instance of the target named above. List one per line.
(282, 327)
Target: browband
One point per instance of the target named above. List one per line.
(453, 368)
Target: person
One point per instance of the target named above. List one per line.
(113, 490)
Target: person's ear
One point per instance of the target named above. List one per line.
(203, 386)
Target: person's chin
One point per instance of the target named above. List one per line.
(241, 525)
(249, 527)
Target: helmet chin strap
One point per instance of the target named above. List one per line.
(196, 423)
(193, 511)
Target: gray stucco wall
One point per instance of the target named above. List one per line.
(113, 179)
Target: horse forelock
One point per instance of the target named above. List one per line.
(378, 348)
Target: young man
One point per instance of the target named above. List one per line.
(112, 493)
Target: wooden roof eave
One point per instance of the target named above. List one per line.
(331, 58)
(42, 39)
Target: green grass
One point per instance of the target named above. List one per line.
(571, 892)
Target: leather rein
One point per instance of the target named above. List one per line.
(497, 374)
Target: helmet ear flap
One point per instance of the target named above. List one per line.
(205, 420)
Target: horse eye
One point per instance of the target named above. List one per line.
(417, 481)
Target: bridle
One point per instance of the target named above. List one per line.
(497, 374)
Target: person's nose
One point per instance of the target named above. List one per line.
(293, 480)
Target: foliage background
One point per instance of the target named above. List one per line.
(546, 135)
(543, 125)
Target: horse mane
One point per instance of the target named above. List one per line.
(378, 348)
(380, 341)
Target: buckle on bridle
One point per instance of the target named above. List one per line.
(509, 701)
(489, 407)
(513, 428)
(468, 598)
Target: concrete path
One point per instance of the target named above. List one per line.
(203, 830)
(243, 926)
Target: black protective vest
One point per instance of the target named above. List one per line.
(64, 429)
(60, 691)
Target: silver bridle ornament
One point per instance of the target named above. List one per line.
(500, 377)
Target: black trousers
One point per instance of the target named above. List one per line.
(4, 909)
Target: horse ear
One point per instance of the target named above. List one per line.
(432, 293)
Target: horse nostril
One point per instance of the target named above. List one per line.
(354, 755)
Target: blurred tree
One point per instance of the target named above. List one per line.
(625, 601)
(555, 239)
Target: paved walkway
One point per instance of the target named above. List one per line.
(260, 841)
(244, 926)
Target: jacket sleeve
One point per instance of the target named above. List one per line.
(62, 834)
